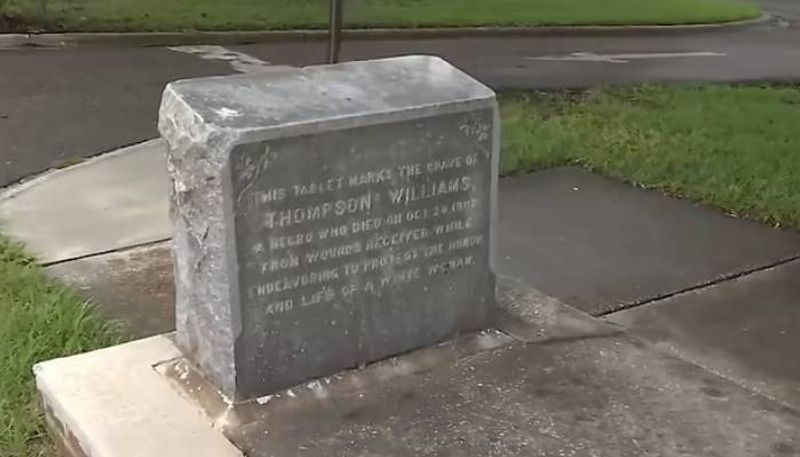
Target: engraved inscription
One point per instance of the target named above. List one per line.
(332, 238)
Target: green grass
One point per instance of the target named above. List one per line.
(160, 15)
(40, 319)
(736, 148)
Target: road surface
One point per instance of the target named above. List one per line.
(60, 105)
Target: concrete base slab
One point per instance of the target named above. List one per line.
(112, 403)
(99, 403)
(600, 396)
(599, 244)
(608, 396)
(114, 201)
(531, 316)
(745, 330)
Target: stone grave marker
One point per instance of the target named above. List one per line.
(330, 216)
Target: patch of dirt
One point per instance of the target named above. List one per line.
(13, 24)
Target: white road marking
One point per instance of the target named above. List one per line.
(624, 58)
(241, 62)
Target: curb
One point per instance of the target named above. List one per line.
(12, 190)
(51, 40)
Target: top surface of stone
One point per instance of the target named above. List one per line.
(327, 92)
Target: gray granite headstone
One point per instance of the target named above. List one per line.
(329, 216)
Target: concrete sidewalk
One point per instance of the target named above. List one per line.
(745, 330)
(111, 202)
(715, 297)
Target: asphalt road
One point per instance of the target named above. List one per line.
(60, 105)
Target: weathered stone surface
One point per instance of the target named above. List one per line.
(329, 216)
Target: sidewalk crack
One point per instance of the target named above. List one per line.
(703, 285)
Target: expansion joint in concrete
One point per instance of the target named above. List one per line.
(703, 285)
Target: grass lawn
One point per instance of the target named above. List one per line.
(159, 15)
(41, 319)
(736, 148)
